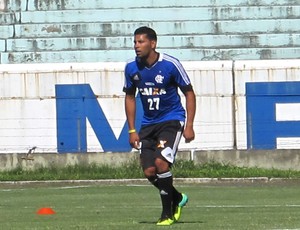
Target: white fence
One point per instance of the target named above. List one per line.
(28, 100)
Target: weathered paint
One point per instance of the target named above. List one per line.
(177, 42)
(86, 4)
(15, 5)
(8, 18)
(161, 14)
(84, 31)
(2, 45)
(27, 100)
(259, 71)
(121, 55)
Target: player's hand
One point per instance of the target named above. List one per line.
(134, 140)
(188, 134)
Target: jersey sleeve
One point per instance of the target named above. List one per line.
(128, 87)
(181, 77)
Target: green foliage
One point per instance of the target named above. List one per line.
(181, 169)
(218, 170)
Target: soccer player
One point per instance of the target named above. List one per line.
(157, 77)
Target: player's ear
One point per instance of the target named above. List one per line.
(153, 44)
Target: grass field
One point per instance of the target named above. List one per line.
(95, 206)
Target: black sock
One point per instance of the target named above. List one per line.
(165, 186)
(153, 180)
(177, 197)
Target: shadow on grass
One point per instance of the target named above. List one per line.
(180, 222)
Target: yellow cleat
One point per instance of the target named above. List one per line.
(165, 222)
(178, 209)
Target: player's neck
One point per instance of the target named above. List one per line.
(152, 59)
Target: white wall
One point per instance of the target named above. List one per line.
(28, 109)
(259, 71)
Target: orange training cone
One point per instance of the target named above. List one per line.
(45, 211)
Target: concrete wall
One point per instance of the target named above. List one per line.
(272, 159)
(40, 31)
(77, 31)
(29, 112)
(28, 102)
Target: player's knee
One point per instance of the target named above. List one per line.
(150, 172)
(162, 165)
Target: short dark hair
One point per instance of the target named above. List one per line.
(151, 34)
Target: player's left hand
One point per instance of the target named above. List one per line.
(188, 134)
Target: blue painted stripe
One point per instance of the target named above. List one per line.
(262, 127)
(276, 88)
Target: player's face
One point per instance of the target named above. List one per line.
(143, 46)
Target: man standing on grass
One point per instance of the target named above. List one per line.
(157, 77)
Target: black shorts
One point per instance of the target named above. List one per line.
(160, 141)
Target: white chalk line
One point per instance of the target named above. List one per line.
(249, 206)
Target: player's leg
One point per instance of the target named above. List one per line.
(147, 160)
(179, 199)
(168, 142)
(165, 186)
(156, 159)
(150, 172)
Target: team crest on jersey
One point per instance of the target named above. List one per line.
(159, 79)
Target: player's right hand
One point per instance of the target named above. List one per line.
(134, 140)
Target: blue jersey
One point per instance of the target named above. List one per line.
(158, 88)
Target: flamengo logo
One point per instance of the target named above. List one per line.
(159, 79)
(74, 105)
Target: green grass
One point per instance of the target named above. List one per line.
(251, 206)
(183, 169)
(271, 205)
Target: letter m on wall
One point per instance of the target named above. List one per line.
(273, 115)
(74, 105)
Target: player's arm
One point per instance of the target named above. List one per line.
(188, 132)
(185, 86)
(130, 110)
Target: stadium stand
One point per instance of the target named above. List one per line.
(52, 31)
